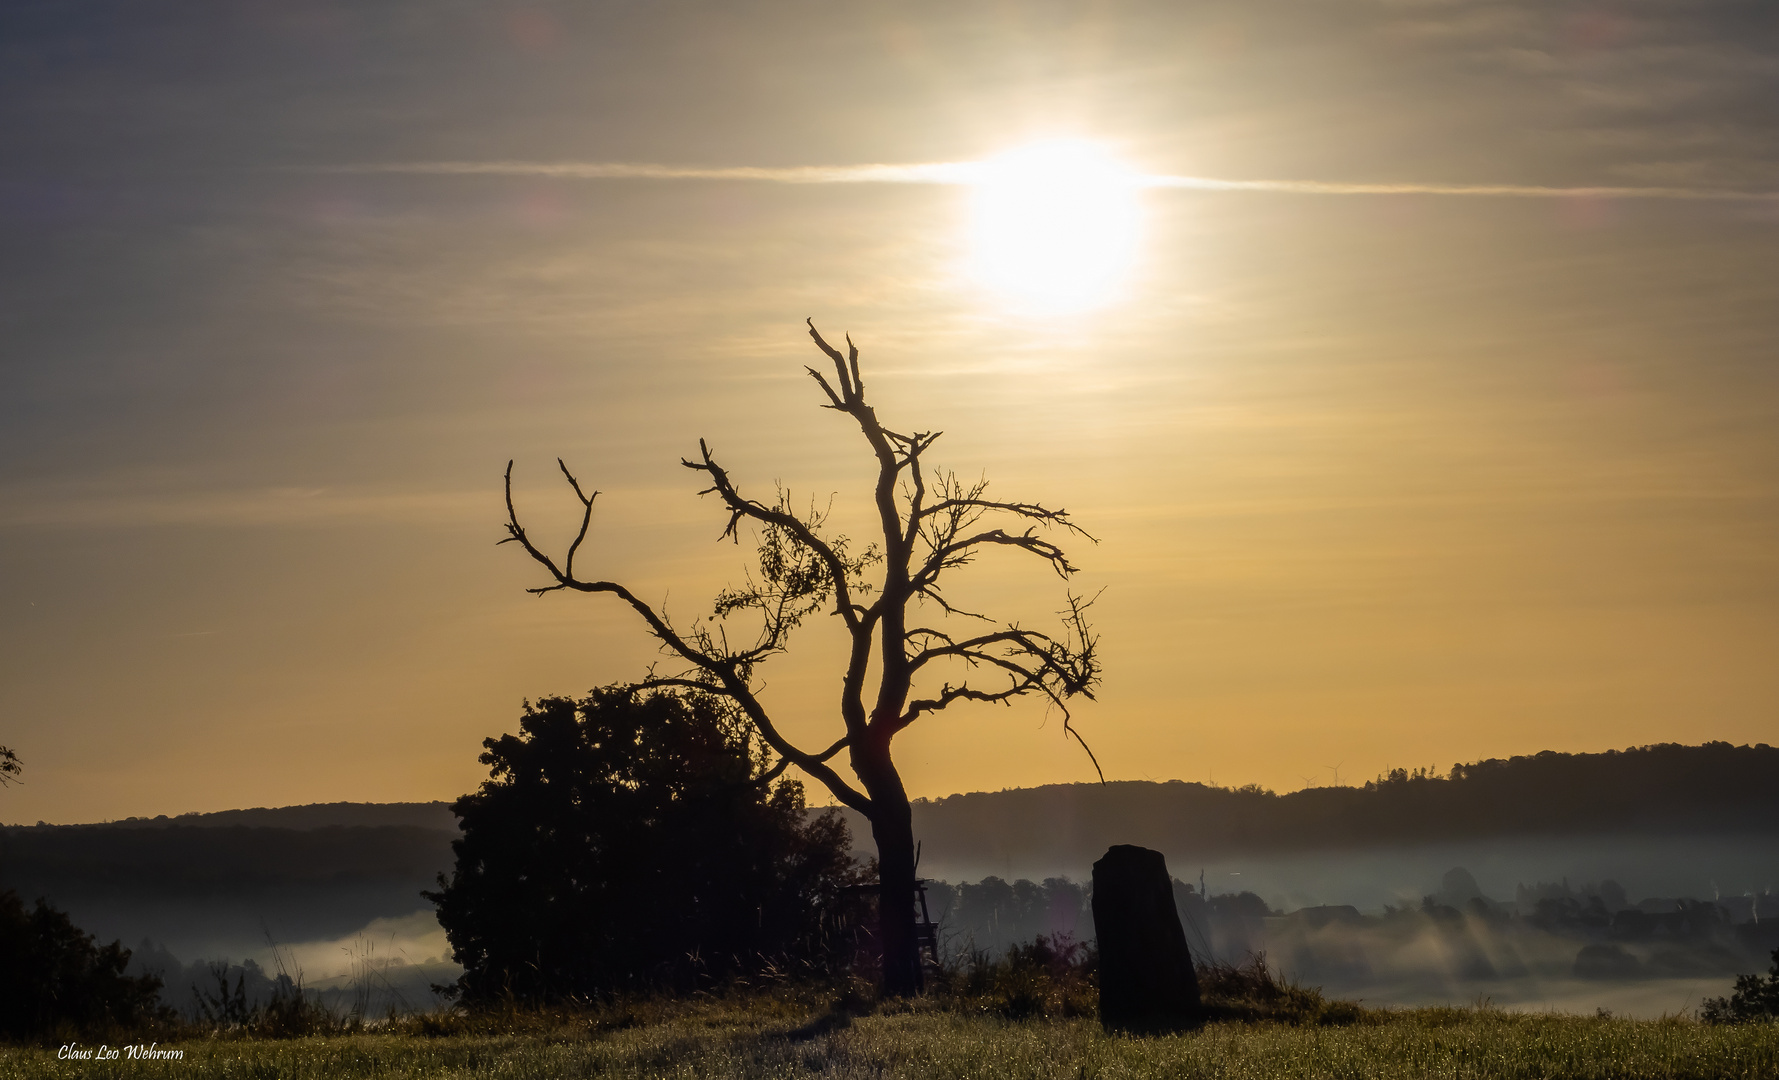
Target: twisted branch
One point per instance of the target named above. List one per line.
(801, 570)
(727, 674)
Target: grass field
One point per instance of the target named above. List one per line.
(784, 1038)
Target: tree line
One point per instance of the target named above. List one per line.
(1714, 788)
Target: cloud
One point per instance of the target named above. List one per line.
(968, 172)
(1533, 191)
(941, 172)
(271, 506)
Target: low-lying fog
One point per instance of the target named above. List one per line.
(1639, 927)
(1687, 865)
(389, 964)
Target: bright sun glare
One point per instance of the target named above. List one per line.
(1054, 225)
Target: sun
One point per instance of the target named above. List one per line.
(1054, 225)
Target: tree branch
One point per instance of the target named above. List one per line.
(851, 388)
(946, 523)
(839, 572)
(974, 645)
(956, 553)
(586, 514)
(728, 671)
(1035, 662)
(1033, 511)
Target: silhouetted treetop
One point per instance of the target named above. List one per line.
(622, 835)
(55, 978)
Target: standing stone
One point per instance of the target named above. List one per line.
(1147, 982)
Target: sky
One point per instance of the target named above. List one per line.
(1379, 478)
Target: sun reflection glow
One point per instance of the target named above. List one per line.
(1054, 225)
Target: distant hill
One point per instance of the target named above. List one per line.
(1666, 789)
(418, 815)
(221, 883)
(209, 881)
(219, 889)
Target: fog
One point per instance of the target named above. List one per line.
(1576, 924)
(1708, 866)
(390, 964)
(411, 940)
(1641, 923)
(1461, 956)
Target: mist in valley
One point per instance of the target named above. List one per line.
(1541, 928)
(1639, 881)
(1575, 924)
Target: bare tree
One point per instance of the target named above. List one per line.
(930, 524)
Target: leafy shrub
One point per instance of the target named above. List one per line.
(1047, 976)
(633, 841)
(1251, 991)
(56, 979)
(1755, 999)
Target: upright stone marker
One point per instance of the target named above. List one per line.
(1147, 982)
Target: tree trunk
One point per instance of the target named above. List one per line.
(892, 826)
(894, 831)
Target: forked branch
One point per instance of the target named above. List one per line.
(842, 573)
(1031, 661)
(846, 370)
(714, 668)
(948, 529)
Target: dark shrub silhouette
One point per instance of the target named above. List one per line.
(1754, 999)
(1050, 975)
(1252, 992)
(631, 841)
(55, 978)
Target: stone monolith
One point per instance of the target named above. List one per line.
(1147, 982)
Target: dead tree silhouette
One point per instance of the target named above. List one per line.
(926, 531)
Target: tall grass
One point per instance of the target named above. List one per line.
(1057, 977)
(775, 1038)
(1027, 1015)
(1048, 976)
(291, 1010)
(1252, 991)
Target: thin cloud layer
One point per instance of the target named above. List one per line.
(966, 173)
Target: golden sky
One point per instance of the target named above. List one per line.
(1379, 479)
